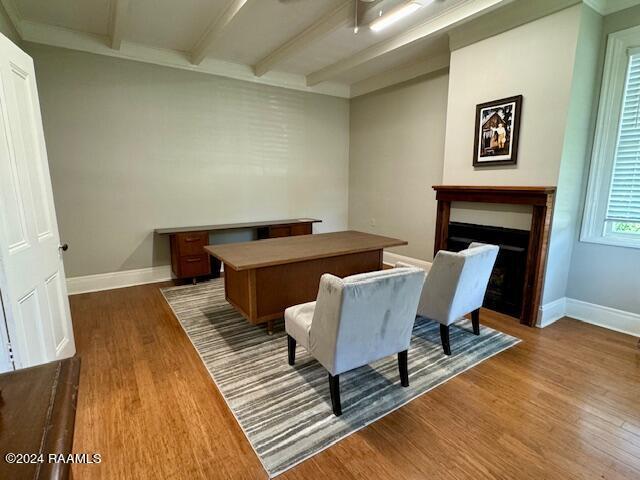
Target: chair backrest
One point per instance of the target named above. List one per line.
(362, 318)
(457, 282)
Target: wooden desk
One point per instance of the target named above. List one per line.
(38, 409)
(188, 258)
(263, 278)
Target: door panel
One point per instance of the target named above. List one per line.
(56, 311)
(28, 131)
(35, 295)
(13, 210)
(30, 313)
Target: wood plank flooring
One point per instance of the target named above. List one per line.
(563, 404)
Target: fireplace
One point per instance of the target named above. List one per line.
(504, 293)
(541, 200)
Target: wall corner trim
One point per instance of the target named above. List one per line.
(551, 312)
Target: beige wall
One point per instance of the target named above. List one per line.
(133, 147)
(396, 152)
(534, 60)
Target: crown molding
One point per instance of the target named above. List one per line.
(606, 7)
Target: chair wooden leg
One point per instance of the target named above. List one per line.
(291, 345)
(334, 388)
(475, 320)
(404, 369)
(444, 336)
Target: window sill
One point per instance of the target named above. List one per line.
(612, 241)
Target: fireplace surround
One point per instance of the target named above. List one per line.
(541, 200)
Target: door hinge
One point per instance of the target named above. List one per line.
(10, 350)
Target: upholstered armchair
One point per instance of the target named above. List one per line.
(455, 286)
(355, 321)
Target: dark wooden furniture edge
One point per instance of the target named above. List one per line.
(235, 226)
(62, 414)
(540, 198)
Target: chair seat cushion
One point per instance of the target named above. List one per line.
(297, 322)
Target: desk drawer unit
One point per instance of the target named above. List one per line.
(188, 258)
(192, 243)
(187, 243)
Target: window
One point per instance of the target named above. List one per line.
(612, 212)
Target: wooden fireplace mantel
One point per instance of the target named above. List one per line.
(540, 198)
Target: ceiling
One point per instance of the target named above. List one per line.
(303, 44)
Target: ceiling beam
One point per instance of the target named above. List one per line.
(215, 29)
(326, 24)
(118, 22)
(439, 24)
(14, 16)
(99, 44)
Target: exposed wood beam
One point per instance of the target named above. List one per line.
(199, 51)
(14, 16)
(99, 45)
(436, 25)
(326, 24)
(117, 25)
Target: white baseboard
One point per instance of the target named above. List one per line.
(551, 312)
(391, 259)
(606, 317)
(109, 281)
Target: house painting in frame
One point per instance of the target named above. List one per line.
(497, 130)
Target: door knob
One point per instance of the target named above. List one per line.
(64, 247)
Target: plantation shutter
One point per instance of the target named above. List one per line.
(624, 196)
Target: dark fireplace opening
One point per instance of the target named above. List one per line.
(504, 293)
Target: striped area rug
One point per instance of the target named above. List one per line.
(285, 411)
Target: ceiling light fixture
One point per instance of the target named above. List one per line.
(395, 15)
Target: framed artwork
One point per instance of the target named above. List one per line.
(497, 131)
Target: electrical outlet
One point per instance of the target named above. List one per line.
(372, 222)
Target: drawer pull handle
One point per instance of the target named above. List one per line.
(193, 260)
(192, 239)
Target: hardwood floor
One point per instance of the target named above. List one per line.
(563, 404)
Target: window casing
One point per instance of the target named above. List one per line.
(612, 208)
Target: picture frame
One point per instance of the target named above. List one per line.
(497, 132)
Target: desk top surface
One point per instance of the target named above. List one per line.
(235, 226)
(279, 251)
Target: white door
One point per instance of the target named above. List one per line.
(34, 291)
